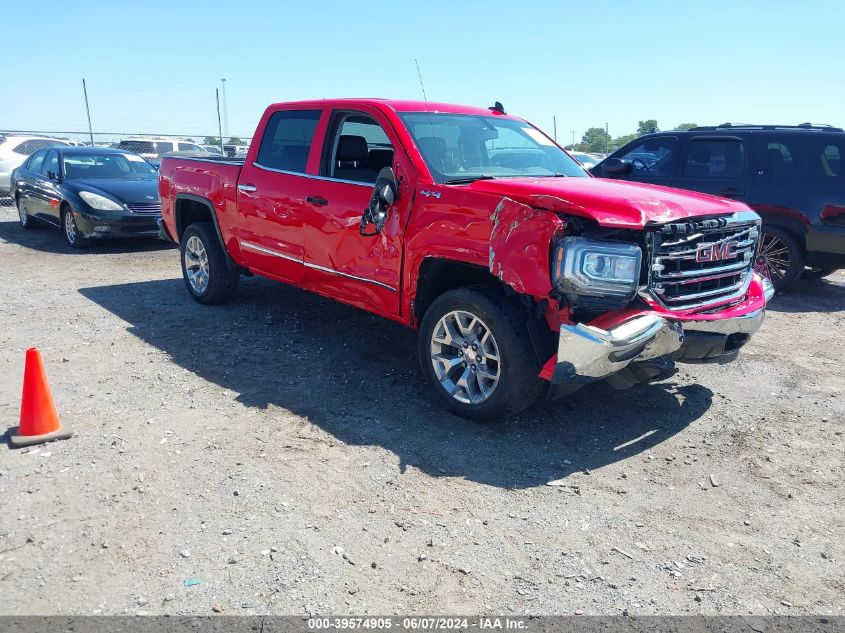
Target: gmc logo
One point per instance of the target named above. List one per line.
(716, 252)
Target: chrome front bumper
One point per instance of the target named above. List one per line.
(587, 353)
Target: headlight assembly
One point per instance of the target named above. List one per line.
(596, 268)
(99, 202)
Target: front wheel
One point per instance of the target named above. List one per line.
(207, 274)
(73, 237)
(780, 258)
(476, 354)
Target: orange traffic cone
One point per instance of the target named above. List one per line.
(39, 421)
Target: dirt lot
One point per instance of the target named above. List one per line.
(280, 455)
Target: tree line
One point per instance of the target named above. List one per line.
(596, 140)
(215, 140)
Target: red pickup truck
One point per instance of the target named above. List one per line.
(523, 273)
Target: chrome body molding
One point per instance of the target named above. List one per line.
(368, 185)
(274, 253)
(269, 251)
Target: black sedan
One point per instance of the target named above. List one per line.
(88, 192)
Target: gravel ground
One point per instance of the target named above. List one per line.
(280, 455)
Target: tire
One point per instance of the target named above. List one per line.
(515, 367)
(73, 237)
(780, 257)
(27, 221)
(817, 273)
(205, 269)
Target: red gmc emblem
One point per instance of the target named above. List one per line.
(716, 252)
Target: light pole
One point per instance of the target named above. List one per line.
(225, 110)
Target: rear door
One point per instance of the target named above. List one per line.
(272, 192)
(28, 174)
(800, 174)
(45, 192)
(716, 165)
(340, 262)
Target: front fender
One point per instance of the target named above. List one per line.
(520, 247)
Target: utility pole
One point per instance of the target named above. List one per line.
(225, 109)
(573, 138)
(554, 128)
(88, 111)
(219, 125)
(606, 138)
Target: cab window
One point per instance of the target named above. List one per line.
(357, 149)
(287, 140)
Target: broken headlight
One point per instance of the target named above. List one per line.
(596, 268)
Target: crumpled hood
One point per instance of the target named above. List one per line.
(611, 203)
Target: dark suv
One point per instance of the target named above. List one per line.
(793, 176)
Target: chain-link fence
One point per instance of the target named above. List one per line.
(17, 145)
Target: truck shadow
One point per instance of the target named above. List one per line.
(357, 377)
(812, 295)
(49, 239)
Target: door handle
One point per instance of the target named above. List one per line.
(731, 192)
(247, 188)
(317, 201)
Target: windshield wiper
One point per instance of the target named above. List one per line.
(459, 181)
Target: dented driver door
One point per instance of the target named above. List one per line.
(362, 270)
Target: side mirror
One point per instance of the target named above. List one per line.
(52, 175)
(385, 193)
(615, 167)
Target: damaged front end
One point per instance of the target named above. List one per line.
(626, 306)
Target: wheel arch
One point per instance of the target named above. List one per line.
(189, 209)
(438, 275)
(787, 219)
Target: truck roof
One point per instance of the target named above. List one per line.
(398, 105)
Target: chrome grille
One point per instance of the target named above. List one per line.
(144, 207)
(703, 263)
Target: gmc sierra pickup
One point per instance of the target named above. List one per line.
(523, 273)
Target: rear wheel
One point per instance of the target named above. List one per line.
(26, 220)
(73, 237)
(476, 354)
(207, 274)
(779, 258)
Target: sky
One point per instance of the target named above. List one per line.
(152, 66)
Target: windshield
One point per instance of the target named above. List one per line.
(146, 147)
(462, 147)
(108, 166)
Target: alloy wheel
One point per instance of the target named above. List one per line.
(465, 357)
(70, 228)
(22, 213)
(196, 264)
(773, 259)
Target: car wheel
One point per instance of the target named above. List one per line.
(26, 220)
(73, 237)
(476, 354)
(779, 257)
(817, 273)
(206, 272)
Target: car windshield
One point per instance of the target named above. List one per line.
(107, 166)
(146, 147)
(465, 147)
